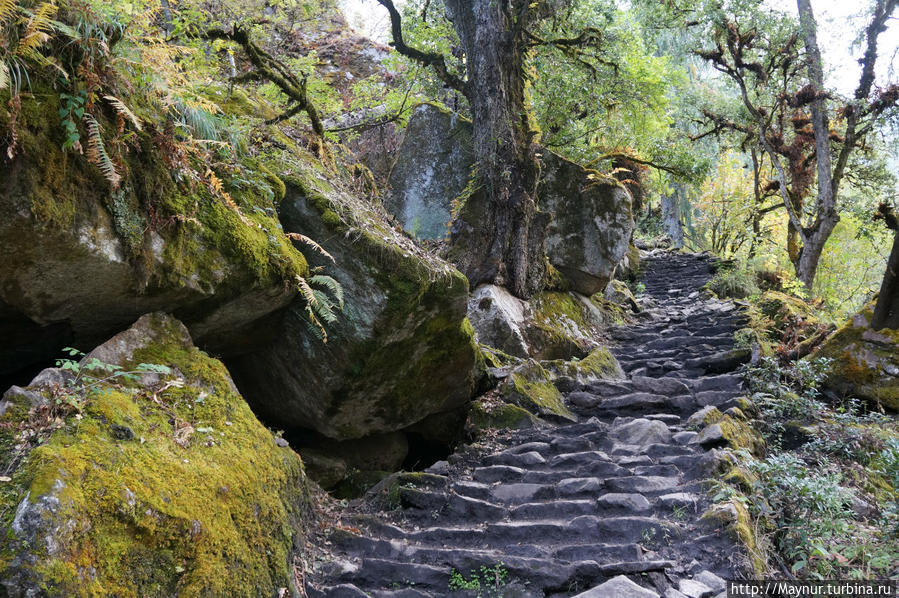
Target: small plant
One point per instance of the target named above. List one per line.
(71, 112)
(88, 375)
(679, 512)
(487, 582)
(733, 283)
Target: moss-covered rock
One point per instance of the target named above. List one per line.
(162, 484)
(430, 171)
(84, 260)
(586, 239)
(529, 386)
(865, 362)
(402, 348)
(600, 364)
(734, 517)
(786, 312)
(726, 430)
(502, 416)
(551, 325)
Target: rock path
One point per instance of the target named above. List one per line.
(608, 507)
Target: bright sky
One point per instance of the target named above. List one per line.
(838, 24)
(369, 18)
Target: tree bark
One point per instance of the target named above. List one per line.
(492, 35)
(671, 204)
(886, 310)
(826, 212)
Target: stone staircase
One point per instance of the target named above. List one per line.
(608, 507)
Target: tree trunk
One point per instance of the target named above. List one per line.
(757, 206)
(886, 311)
(492, 33)
(825, 208)
(671, 215)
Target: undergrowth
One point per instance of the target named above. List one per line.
(825, 497)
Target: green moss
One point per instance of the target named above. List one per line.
(502, 417)
(529, 386)
(784, 310)
(217, 517)
(207, 244)
(861, 360)
(600, 364)
(738, 434)
(734, 516)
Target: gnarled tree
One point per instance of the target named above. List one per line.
(495, 39)
(782, 90)
(495, 42)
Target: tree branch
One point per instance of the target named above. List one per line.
(433, 60)
(883, 9)
(270, 68)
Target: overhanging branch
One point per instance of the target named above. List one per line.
(431, 59)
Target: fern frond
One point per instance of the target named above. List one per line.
(307, 291)
(4, 74)
(310, 243)
(123, 110)
(7, 12)
(96, 152)
(37, 30)
(332, 285)
(218, 188)
(312, 307)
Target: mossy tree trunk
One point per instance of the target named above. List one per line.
(886, 310)
(494, 38)
(492, 35)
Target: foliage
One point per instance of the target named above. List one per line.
(487, 582)
(825, 461)
(735, 282)
(90, 374)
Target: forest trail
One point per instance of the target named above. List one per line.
(565, 510)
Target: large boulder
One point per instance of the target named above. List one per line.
(865, 362)
(159, 481)
(592, 224)
(550, 325)
(400, 351)
(433, 166)
(82, 261)
(592, 221)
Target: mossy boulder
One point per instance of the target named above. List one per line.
(733, 516)
(162, 483)
(401, 349)
(551, 325)
(727, 430)
(501, 416)
(592, 224)
(82, 260)
(430, 171)
(788, 313)
(432, 184)
(600, 364)
(530, 387)
(865, 362)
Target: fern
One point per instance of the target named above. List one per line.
(96, 152)
(330, 284)
(200, 122)
(219, 189)
(320, 307)
(37, 33)
(7, 12)
(310, 243)
(123, 110)
(4, 75)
